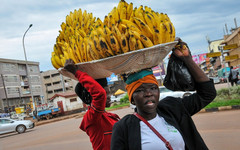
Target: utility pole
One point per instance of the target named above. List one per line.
(223, 62)
(28, 76)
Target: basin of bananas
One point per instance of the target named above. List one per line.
(124, 32)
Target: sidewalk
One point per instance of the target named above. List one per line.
(220, 108)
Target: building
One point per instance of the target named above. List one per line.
(54, 82)
(233, 40)
(14, 84)
(69, 102)
(215, 62)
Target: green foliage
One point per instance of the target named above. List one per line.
(223, 94)
(216, 104)
(125, 99)
(224, 98)
(117, 106)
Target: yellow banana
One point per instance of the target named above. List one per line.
(121, 4)
(99, 22)
(144, 27)
(139, 44)
(129, 24)
(111, 21)
(146, 41)
(63, 60)
(149, 20)
(55, 65)
(56, 59)
(124, 43)
(122, 28)
(156, 37)
(107, 33)
(115, 14)
(129, 11)
(117, 33)
(123, 13)
(89, 53)
(105, 21)
(132, 42)
(72, 55)
(105, 47)
(93, 51)
(163, 32)
(116, 49)
(139, 13)
(98, 48)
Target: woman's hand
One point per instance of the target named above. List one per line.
(69, 66)
(181, 50)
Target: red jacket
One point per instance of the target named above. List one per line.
(97, 123)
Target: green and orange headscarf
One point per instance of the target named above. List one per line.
(135, 80)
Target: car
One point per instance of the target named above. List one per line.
(216, 80)
(117, 98)
(164, 92)
(9, 125)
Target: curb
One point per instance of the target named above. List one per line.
(79, 115)
(222, 108)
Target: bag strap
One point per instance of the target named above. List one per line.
(168, 145)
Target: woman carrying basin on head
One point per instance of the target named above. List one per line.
(170, 118)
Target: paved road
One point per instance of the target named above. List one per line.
(220, 130)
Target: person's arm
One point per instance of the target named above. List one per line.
(205, 88)
(93, 87)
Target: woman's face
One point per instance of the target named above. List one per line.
(146, 98)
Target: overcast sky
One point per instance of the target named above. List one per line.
(193, 20)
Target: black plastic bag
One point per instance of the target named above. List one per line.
(178, 77)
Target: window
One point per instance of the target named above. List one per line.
(73, 100)
(10, 78)
(55, 75)
(46, 77)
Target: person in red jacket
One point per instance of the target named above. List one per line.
(97, 123)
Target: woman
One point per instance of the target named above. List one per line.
(97, 123)
(171, 117)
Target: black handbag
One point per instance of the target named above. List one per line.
(178, 77)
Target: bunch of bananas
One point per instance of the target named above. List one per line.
(84, 37)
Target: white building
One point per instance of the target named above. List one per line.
(69, 102)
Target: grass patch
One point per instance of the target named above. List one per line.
(216, 104)
(117, 106)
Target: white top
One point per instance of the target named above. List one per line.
(150, 141)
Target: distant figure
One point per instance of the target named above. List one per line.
(233, 76)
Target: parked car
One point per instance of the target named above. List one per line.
(216, 80)
(117, 98)
(9, 125)
(164, 92)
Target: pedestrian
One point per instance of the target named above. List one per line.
(165, 124)
(233, 76)
(97, 123)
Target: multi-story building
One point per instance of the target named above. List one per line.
(14, 84)
(233, 39)
(54, 82)
(215, 62)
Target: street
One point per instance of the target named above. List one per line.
(220, 130)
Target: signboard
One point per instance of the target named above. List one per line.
(216, 54)
(232, 46)
(231, 57)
